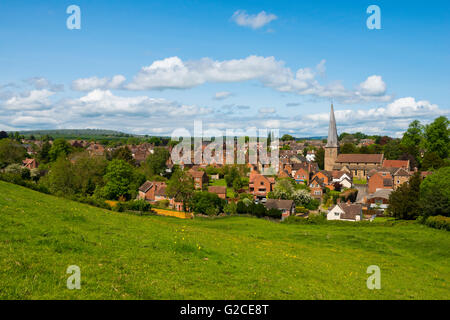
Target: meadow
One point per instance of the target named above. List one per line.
(126, 256)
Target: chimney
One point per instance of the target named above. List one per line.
(338, 200)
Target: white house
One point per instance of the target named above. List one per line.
(346, 212)
(344, 178)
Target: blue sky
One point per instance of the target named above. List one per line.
(149, 67)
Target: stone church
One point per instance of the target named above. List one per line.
(357, 164)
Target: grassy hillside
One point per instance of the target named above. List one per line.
(123, 256)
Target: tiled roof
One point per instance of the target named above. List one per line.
(358, 158)
(396, 163)
(146, 186)
(217, 189)
(351, 210)
(279, 204)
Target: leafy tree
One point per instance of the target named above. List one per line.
(437, 135)
(89, 173)
(382, 140)
(435, 193)
(301, 197)
(59, 148)
(180, 187)
(155, 140)
(431, 160)
(60, 179)
(119, 179)
(287, 137)
(231, 176)
(3, 135)
(413, 138)
(320, 158)
(393, 150)
(11, 152)
(43, 155)
(404, 203)
(202, 201)
(283, 189)
(123, 153)
(348, 148)
(157, 161)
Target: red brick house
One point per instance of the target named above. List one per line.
(301, 176)
(259, 185)
(380, 180)
(153, 191)
(200, 178)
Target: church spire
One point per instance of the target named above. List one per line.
(332, 141)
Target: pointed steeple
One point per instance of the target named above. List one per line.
(332, 141)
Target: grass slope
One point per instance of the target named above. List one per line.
(123, 256)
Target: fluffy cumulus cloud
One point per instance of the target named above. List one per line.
(254, 21)
(373, 86)
(35, 99)
(87, 84)
(174, 73)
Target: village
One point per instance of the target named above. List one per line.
(311, 177)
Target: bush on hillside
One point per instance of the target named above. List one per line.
(437, 222)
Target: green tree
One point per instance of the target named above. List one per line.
(413, 139)
(348, 148)
(320, 158)
(60, 148)
(431, 160)
(43, 154)
(404, 203)
(393, 150)
(202, 201)
(180, 187)
(89, 173)
(435, 193)
(60, 179)
(11, 152)
(437, 135)
(156, 162)
(231, 176)
(119, 180)
(287, 137)
(123, 153)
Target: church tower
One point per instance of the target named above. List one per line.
(332, 146)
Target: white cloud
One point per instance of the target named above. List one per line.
(173, 73)
(40, 83)
(222, 95)
(404, 108)
(373, 86)
(254, 21)
(35, 99)
(88, 84)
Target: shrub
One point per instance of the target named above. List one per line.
(139, 205)
(274, 213)
(438, 222)
(230, 208)
(301, 210)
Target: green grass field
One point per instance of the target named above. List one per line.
(124, 256)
